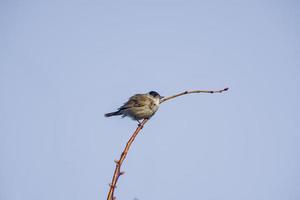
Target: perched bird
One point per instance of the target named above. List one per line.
(139, 106)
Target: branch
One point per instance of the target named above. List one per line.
(119, 162)
(193, 91)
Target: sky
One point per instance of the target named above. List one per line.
(63, 64)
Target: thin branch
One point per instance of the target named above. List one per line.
(193, 91)
(119, 162)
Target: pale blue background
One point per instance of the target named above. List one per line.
(63, 64)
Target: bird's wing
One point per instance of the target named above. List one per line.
(137, 100)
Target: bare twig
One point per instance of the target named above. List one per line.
(193, 91)
(119, 162)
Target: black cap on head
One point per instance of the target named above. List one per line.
(154, 94)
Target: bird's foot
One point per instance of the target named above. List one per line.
(139, 123)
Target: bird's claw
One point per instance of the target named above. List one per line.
(139, 123)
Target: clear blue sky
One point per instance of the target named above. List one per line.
(63, 64)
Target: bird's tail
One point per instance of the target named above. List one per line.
(113, 113)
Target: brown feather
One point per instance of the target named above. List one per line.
(137, 100)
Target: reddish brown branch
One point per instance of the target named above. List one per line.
(119, 162)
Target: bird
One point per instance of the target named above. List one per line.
(139, 106)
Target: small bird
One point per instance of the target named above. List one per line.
(139, 106)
